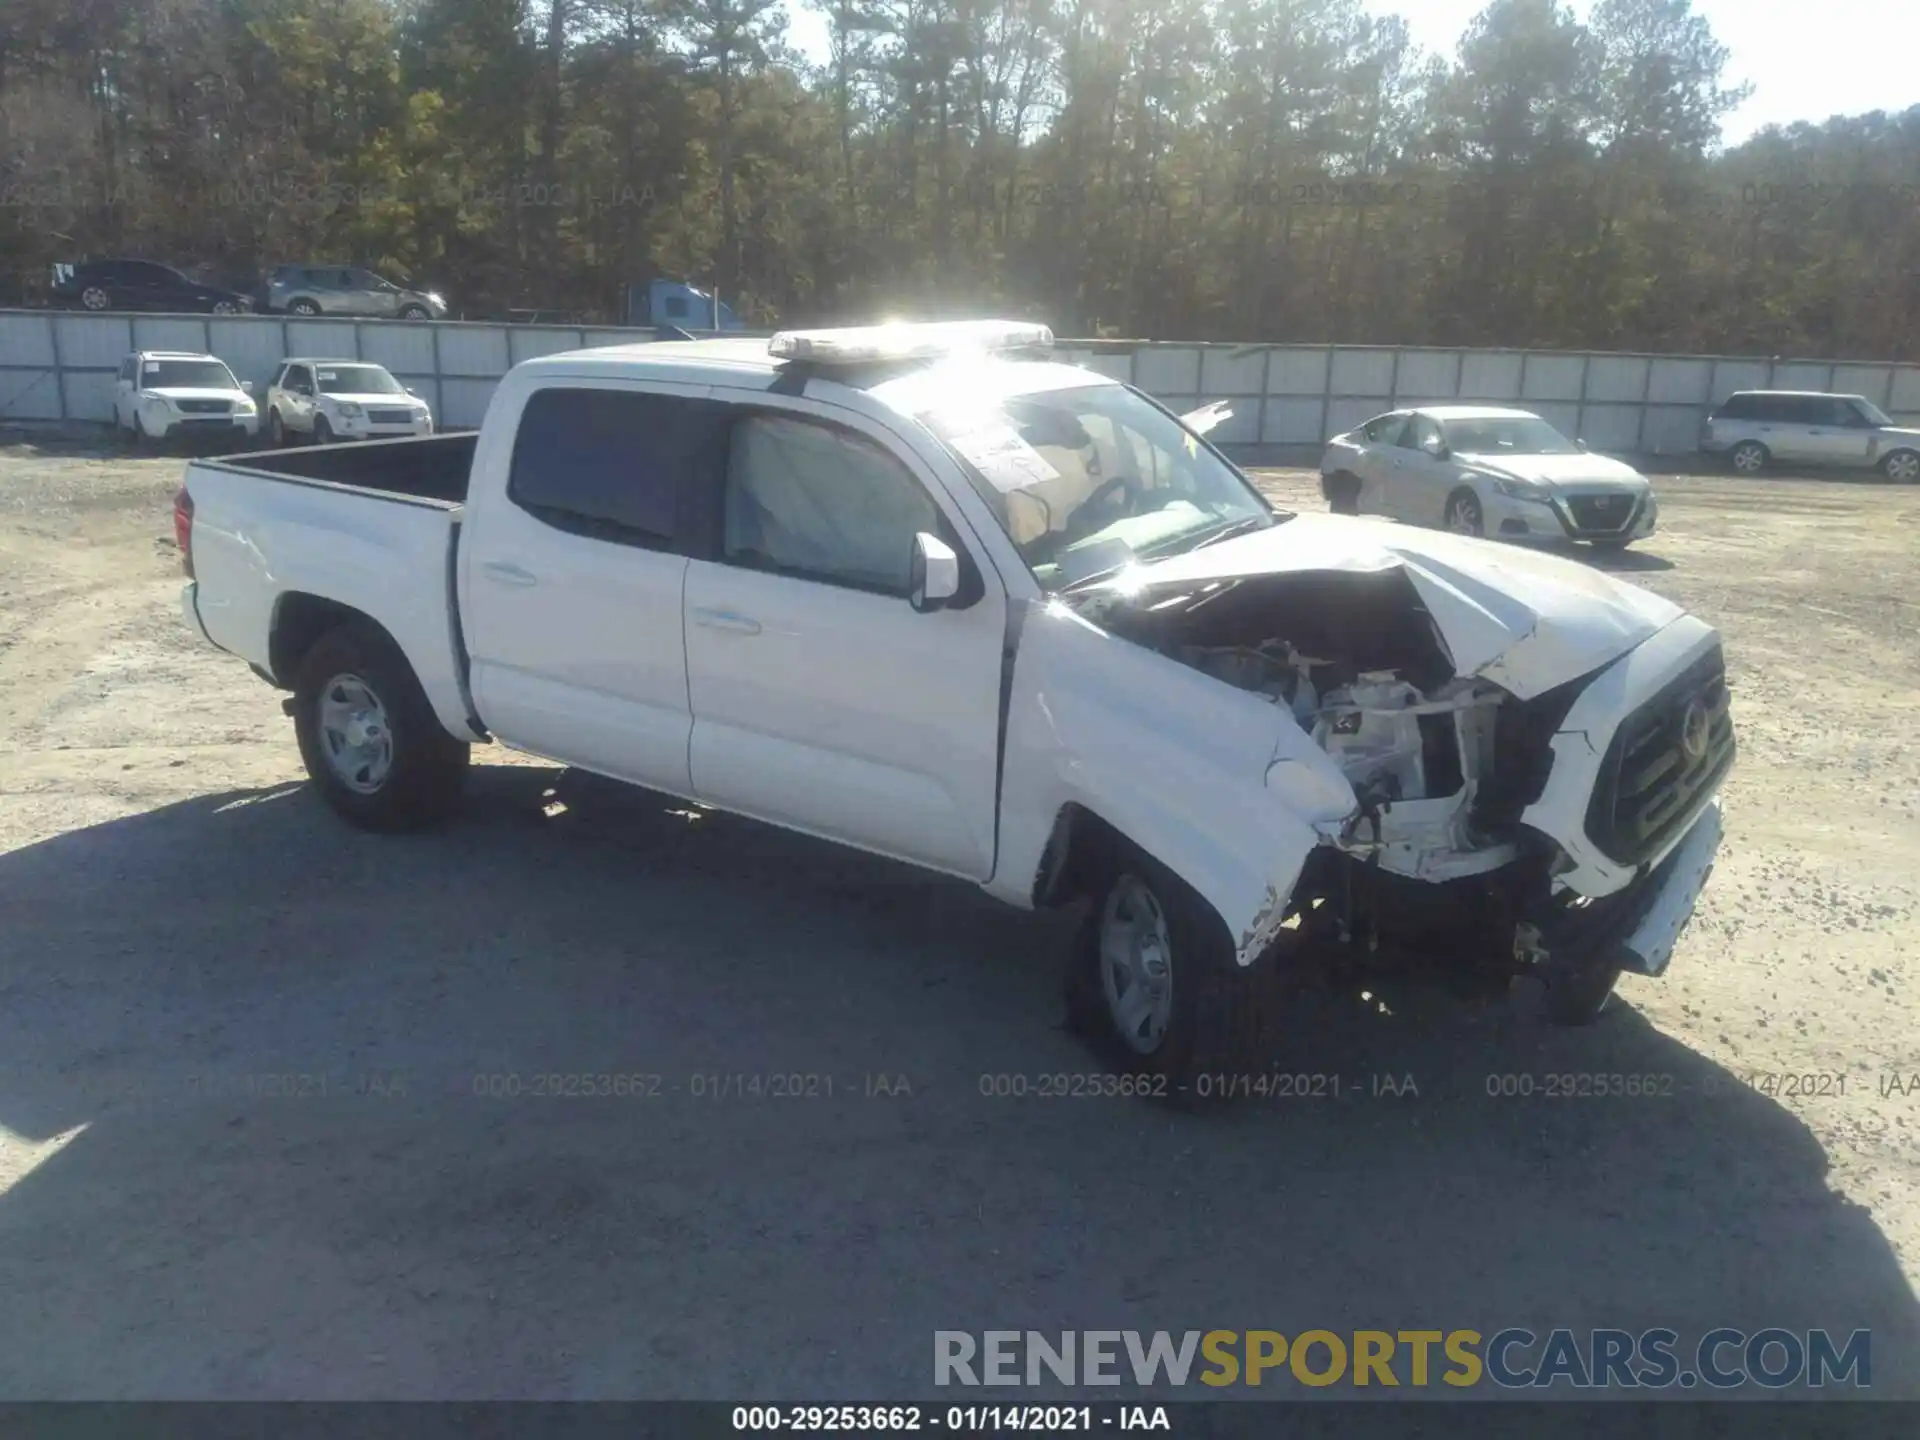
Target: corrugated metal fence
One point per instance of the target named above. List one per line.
(60, 366)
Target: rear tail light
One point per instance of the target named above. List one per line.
(183, 529)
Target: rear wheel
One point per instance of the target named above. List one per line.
(413, 312)
(225, 307)
(1153, 982)
(95, 298)
(303, 307)
(1749, 457)
(1464, 516)
(372, 745)
(1902, 465)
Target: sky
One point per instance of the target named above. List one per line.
(1805, 61)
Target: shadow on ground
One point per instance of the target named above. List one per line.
(432, 1226)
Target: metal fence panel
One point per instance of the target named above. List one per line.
(1295, 371)
(1362, 372)
(1432, 374)
(1226, 372)
(1167, 370)
(1490, 375)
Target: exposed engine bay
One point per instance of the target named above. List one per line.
(1358, 662)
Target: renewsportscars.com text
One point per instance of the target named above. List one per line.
(1722, 1359)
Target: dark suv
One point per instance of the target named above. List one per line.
(140, 285)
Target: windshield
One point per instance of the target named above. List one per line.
(358, 380)
(1087, 477)
(186, 375)
(1873, 412)
(1507, 435)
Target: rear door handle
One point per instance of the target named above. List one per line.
(725, 620)
(501, 573)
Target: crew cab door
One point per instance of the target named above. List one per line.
(822, 700)
(572, 578)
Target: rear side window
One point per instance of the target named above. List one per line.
(1740, 407)
(614, 465)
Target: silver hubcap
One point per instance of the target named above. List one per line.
(1904, 466)
(1136, 965)
(1746, 459)
(95, 299)
(1462, 518)
(354, 734)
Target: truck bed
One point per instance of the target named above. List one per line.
(428, 467)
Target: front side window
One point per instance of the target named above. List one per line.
(296, 380)
(1385, 430)
(1507, 435)
(611, 464)
(815, 501)
(1422, 433)
(358, 380)
(187, 375)
(1873, 414)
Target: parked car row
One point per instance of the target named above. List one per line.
(1489, 470)
(306, 289)
(164, 394)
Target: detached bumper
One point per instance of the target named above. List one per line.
(1676, 888)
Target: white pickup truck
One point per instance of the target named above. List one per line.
(925, 591)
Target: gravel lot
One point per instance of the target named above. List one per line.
(180, 919)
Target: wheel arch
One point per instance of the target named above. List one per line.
(301, 618)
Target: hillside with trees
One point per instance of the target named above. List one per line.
(1279, 170)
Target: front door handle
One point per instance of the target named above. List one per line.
(502, 573)
(725, 620)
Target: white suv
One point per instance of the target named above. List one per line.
(327, 400)
(1757, 428)
(163, 393)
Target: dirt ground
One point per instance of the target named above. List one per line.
(247, 1147)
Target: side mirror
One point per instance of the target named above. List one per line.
(1579, 444)
(246, 387)
(933, 577)
(1436, 447)
(413, 392)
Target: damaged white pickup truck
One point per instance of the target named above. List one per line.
(921, 590)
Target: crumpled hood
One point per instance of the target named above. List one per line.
(1523, 620)
(1556, 470)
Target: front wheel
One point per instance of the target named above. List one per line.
(1579, 994)
(1902, 465)
(1749, 457)
(1153, 981)
(322, 431)
(371, 743)
(1343, 494)
(303, 307)
(225, 307)
(413, 312)
(1464, 516)
(276, 429)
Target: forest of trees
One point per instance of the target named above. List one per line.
(1278, 170)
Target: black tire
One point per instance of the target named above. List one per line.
(1464, 515)
(1901, 466)
(303, 307)
(1343, 494)
(426, 775)
(322, 431)
(413, 312)
(1580, 993)
(1216, 1024)
(276, 429)
(1749, 457)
